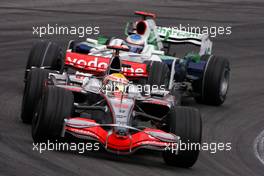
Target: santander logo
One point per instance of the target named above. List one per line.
(100, 64)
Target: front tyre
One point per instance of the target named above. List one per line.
(32, 92)
(55, 105)
(186, 123)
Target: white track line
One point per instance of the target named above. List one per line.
(259, 147)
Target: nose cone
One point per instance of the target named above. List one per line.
(121, 132)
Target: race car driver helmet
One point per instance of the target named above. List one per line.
(135, 43)
(115, 82)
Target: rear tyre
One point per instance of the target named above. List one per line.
(45, 54)
(186, 123)
(213, 88)
(32, 92)
(158, 74)
(56, 104)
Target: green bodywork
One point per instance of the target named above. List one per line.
(102, 40)
(193, 56)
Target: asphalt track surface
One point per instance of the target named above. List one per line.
(239, 121)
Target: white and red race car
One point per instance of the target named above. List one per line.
(85, 106)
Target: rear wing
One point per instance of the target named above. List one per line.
(175, 36)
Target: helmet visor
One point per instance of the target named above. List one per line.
(135, 48)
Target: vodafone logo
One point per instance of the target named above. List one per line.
(93, 64)
(100, 64)
(132, 71)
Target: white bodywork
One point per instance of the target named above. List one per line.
(154, 37)
(155, 34)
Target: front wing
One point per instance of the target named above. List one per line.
(148, 138)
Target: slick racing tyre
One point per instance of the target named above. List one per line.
(32, 92)
(186, 123)
(212, 88)
(56, 104)
(45, 54)
(158, 74)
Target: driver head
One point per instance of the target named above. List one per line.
(135, 43)
(115, 82)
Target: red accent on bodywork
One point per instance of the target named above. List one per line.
(74, 89)
(121, 105)
(147, 14)
(98, 65)
(116, 142)
(117, 47)
(156, 101)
